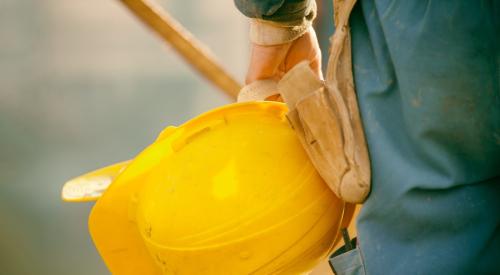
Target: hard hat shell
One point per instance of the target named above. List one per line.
(229, 192)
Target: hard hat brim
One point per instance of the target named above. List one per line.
(91, 186)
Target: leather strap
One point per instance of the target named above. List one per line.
(258, 90)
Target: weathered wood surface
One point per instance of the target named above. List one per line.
(192, 50)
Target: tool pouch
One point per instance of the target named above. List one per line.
(326, 117)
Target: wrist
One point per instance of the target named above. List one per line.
(268, 33)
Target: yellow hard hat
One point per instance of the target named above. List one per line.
(229, 192)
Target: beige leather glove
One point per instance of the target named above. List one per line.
(273, 61)
(274, 51)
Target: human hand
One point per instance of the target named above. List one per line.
(272, 62)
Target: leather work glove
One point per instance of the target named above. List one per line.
(268, 64)
(281, 36)
(273, 61)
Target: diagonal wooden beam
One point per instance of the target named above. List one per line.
(192, 50)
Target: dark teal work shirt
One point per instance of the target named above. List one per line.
(427, 75)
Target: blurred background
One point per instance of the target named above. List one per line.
(84, 84)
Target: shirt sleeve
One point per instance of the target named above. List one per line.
(277, 21)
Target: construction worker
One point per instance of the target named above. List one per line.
(427, 78)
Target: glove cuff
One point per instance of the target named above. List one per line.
(267, 33)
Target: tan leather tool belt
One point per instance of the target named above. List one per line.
(326, 117)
